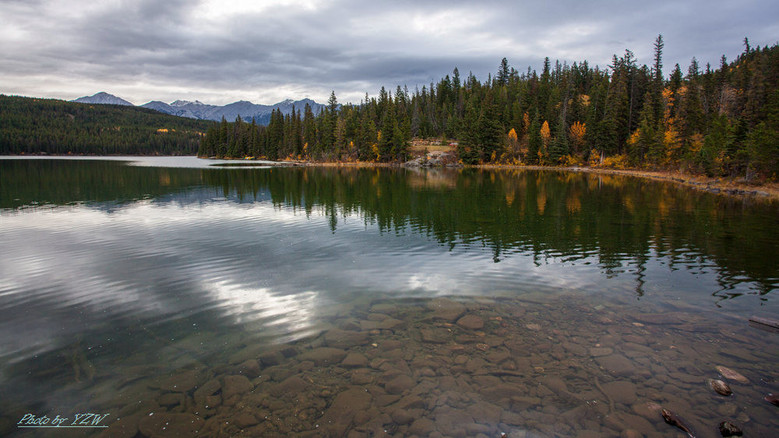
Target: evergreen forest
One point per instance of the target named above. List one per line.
(716, 120)
(50, 126)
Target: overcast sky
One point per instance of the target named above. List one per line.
(264, 51)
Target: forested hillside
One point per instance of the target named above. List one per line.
(34, 126)
(717, 120)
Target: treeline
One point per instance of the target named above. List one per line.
(35, 126)
(721, 120)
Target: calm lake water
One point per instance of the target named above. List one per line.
(180, 298)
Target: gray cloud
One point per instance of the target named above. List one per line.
(266, 51)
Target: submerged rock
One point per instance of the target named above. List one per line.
(170, 425)
(446, 309)
(236, 385)
(337, 338)
(731, 375)
(355, 360)
(208, 389)
(471, 322)
(616, 364)
(600, 351)
(720, 387)
(338, 418)
(183, 381)
(621, 391)
(399, 384)
(324, 356)
(726, 428)
(674, 420)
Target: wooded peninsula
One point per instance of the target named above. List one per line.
(717, 121)
(35, 126)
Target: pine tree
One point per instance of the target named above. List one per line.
(489, 131)
(469, 148)
(309, 129)
(558, 147)
(502, 77)
(762, 143)
(658, 83)
(644, 139)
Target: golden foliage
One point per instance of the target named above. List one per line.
(525, 121)
(669, 99)
(584, 100)
(511, 155)
(616, 162)
(577, 132)
(671, 140)
(696, 143)
(595, 158)
(571, 161)
(545, 133)
(634, 137)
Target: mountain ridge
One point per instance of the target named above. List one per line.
(203, 111)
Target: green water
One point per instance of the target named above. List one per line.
(379, 302)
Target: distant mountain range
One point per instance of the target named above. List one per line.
(202, 111)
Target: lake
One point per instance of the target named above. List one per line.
(170, 296)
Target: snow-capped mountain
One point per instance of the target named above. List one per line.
(245, 109)
(103, 98)
(184, 108)
(199, 110)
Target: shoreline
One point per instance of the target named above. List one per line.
(727, 186)
(721, 186)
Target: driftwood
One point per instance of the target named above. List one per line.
(765, 321)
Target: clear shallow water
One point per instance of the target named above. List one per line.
(588, 301)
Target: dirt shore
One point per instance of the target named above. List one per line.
(725, 186)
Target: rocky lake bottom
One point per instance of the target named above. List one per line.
(167, 301)
(441, 367)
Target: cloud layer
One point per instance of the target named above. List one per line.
(266, 51)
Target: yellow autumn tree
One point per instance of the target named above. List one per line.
(546, 137)
(577, 132)
(513, 144)
(671, 142)
(545, 133)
